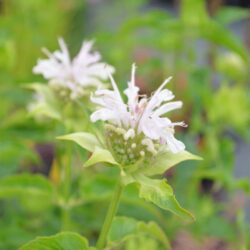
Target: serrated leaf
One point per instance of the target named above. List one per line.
(100, 155)
(161, 194)
(61, 241)
(124, 228)
(25, 184)
(166, 160)
(85, 140)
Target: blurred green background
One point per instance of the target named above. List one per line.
(204, 45)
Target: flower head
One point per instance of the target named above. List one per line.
(140, 122)
(72, 77)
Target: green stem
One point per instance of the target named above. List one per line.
(65, 218)
(110, 216)
(66, 193)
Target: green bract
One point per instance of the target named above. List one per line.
(139, 169)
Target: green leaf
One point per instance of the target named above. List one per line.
(193, 11)
(97, 187)
(228, 15)
(166, 160)
(100, 155)
(217, 34)
(25, 184)
(243, 184)
(161, 194)
(61, 241)
(154, 229)
(85, 140)
(124, 228)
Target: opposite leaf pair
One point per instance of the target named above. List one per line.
(153, 190)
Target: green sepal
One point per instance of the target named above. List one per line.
(161, 194)
(165, 160)
(124, 228)
(100, 155)
(61, 241)
(85, 140)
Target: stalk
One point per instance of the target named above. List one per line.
(66, 191)
(110, 216)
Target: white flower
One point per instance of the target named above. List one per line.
(74, 75)
(142, 115)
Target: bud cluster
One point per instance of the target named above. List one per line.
(65, 93)
(128, 147)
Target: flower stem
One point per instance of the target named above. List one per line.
(110, 216)
(67, 187)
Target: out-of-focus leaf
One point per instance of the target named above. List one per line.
(161, 194)
(124, 228)
(61, 241)
(216, 33)
(85, 140)
(228, 15)
(150, 19)
(166, 160)
(97, 187)
(100, 155)
(232, 66)
(235, 109)
(243, 184)
(25, 184)
(193, 12)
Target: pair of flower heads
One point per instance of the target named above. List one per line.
(136, 128)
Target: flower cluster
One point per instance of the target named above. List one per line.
(71, 78)
(138, 126)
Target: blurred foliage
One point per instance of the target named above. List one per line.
(213, 83)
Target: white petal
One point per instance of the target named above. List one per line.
(162, 96)
(103, 114)
(63, 55)
(151, 129)
(167, 107)
(175, 145)
(163, 85)
(85, 57)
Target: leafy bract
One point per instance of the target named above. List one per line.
(161, 194)
(87, 141)
(61, 241)
(165, 160)
(124, 228)
(25, 184)
(100, 155)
